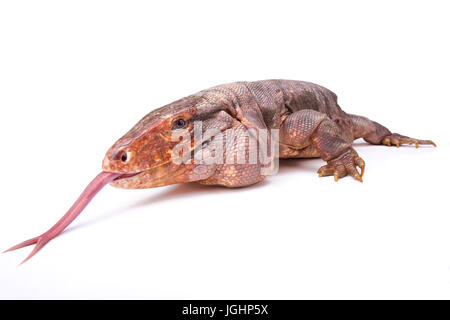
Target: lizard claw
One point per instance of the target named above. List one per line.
(345, 164)
(397, 140)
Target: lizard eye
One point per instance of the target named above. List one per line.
(124, 157)
(179, 124)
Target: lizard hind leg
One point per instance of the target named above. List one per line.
(375, 133)
(308, 133)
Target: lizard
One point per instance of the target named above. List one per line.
(307, 117)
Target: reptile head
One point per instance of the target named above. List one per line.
(149, 148)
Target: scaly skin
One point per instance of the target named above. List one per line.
(309, 120)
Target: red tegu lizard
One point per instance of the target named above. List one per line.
(309, 120)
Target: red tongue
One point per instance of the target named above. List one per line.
(101, 180)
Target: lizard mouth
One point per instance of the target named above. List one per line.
(126, 175)
(137, 180)
(124, 178)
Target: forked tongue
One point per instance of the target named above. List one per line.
(101, 180)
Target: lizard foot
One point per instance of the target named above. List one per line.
(343, 165)
(397, 140)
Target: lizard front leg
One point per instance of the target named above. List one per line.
(236, 168)
(308, 133)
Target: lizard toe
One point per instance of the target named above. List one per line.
(398, 140)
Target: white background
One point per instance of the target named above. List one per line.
(75, 76)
